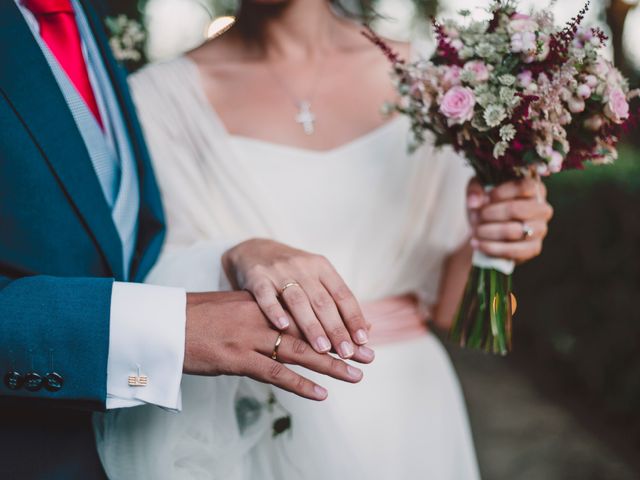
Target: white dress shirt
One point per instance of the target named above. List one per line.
(147, 323)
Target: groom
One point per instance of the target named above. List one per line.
(79, 207)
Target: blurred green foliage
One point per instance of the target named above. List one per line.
(579, 315)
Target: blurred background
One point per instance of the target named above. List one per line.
(566, 404)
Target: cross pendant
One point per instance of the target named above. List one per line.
(306, 118)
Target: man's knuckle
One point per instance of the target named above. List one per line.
(302, 384)
(275, 370)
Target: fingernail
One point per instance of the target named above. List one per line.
(354, 373)
(323, 344)
(367, 353)
(345, 350)
(320, 392)
(362, 337)
(282, 322)
(474, 243)
(474, 201)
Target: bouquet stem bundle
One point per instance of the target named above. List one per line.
(484, 319)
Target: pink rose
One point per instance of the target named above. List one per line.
(479, 70)
(525, 78)
(522, 23)
(451, 76)
(457, 105)
(617, 107)
(525, 42)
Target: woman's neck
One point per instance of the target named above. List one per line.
(292, 30)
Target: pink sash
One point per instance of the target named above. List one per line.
(395, 319)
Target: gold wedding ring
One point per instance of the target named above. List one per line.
(288, 285)
(274, 355)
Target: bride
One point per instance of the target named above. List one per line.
(271, 136)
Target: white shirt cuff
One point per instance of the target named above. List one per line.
(147, 336)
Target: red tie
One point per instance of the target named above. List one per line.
(59, 30)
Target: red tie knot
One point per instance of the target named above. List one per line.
(45, 7)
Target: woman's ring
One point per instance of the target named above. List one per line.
(527, 231)
(274, 355)
(288, 285)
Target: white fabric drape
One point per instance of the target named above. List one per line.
(386, 219)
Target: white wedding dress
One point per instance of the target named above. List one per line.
(385, 218)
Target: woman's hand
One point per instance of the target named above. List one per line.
(511, 221)
(314, 295)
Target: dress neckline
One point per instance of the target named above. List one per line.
(206, 105)
(346, 146)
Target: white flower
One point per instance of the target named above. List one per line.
(486, 99)
(507, 80)
(485, 50)
(584, 91)
(507, 95)
(466, 52)
(494, 115)
(555, 162)
(127, 38)
(507, 133)
(591, 81)
(500, 149)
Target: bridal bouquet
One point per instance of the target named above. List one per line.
(518, 96)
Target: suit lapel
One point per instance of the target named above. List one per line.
(29, 85)
(151, 217)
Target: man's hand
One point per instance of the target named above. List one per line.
(227, 334)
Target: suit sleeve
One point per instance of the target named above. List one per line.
(54, 325)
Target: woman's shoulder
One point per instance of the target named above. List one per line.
(159, 74)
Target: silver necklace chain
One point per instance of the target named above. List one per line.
(305, 116)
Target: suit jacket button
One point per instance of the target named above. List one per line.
(33, 382)
(13, 380)
(53, 382)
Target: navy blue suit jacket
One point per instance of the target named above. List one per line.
(59, 255)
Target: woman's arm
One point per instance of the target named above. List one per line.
(454, 278)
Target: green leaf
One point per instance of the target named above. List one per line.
(281, 425)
